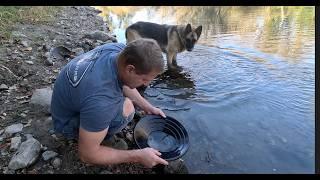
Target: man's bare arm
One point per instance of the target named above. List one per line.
(138, 100)
(91, 151)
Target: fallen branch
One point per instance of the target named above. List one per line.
(9, 70)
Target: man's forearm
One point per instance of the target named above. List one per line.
(136, 98)
(105, 155)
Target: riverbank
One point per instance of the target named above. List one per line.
(31, 57)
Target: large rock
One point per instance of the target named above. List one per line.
(26, 155)
(100, 35)
(42, 97)
(12, 129)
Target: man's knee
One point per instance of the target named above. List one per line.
(128, 107)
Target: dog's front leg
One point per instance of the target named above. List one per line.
(169, 60)
(174, 60)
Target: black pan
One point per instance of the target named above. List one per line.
(166, 135)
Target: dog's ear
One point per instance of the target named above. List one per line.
(188, 29)
(198, 31)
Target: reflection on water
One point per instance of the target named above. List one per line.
(174, 79)
(246, 92)
(279, 30)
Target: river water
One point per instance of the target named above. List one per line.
(246, 94)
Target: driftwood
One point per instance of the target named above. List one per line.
(4, 67)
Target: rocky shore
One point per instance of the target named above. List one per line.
(29, 64)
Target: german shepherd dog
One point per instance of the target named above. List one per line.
(172, 39)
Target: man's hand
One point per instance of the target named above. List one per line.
(156, 111)
(138, 100)
(149, 157)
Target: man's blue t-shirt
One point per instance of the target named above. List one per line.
(88, 88)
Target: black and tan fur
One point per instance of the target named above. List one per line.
(172, 39)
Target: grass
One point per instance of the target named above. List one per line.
(9, 15)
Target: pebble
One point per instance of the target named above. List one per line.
(49, 62)
(51, 131)
(23, 115)
(15, 143)
(49, 155)
(105, 172)
(129, 136)
(44, 148)
(24, 43)
(68, 43)
(3, 87)
(56, 163)
(78, 51)
(29, 62)
(6, 170)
